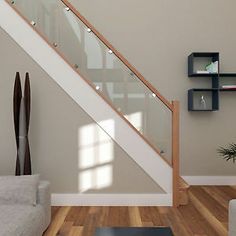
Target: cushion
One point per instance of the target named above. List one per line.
(21, 220)
(19, 189)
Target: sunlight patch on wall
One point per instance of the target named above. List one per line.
(95, 157)
(97, 178)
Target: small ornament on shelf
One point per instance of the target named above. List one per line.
(202, 103)
(212, 67)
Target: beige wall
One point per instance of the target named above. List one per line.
(156, 37)
(67, 148)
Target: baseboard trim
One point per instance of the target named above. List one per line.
(210, 180)
(111, 199)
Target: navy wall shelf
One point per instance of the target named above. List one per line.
(206, 99)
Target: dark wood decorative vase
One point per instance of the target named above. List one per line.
(21, 109)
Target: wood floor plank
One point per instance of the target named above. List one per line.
(212, 205)
(229, 191)
(65, 228)
(113, 219)
(177, 223)
(147, 224)
(196, 221)
(205, 215)
(81, 216)
(218, 195)
(123, 220)
(58, 221)
(54, 210)
(91, 221)
(134, 217)
(145, 214)
(155, 216)
(76, 231)
(104, 217)
(150, 216)
(73, 213)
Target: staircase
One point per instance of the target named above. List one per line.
(104, 84)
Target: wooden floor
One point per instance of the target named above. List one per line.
(205, 215)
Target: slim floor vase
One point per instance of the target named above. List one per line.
(21, 110)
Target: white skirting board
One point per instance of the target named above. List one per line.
(210, 180)
(111, 199)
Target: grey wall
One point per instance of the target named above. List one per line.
(156, 37)
(67, 148)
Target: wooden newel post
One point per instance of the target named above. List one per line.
(175, 152)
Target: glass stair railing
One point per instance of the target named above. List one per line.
(107, 71)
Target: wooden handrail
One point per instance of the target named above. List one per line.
(118, 54)
(175, 152)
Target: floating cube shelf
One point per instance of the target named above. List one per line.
(206, 99)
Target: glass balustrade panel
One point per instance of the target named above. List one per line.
(102, 68)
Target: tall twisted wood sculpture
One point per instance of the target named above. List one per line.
(21, 108)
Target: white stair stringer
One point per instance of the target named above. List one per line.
(86, 97)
